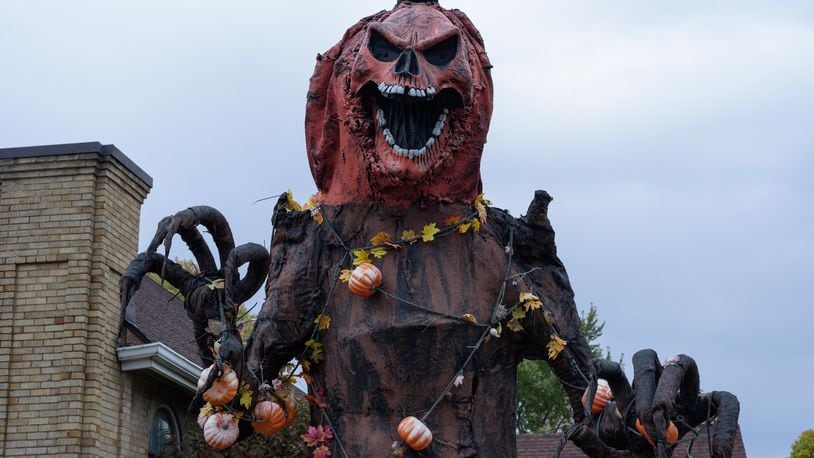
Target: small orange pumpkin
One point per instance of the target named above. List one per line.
(603, 396)
(290, 410)
(223, 389)
(672, 432)
(415, 434)
(269, 418)
(221, 430)
(363, 279)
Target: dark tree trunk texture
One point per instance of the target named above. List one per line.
(385, 360)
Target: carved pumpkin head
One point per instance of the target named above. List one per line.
(398, 110)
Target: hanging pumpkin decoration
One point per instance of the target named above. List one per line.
(603, 396)
(415, 434)
(221, 430)
(269, 418)
(290, 410)
(672, 432)
(202, 419)
(223, 389)
(364, 278)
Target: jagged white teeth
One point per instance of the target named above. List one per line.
(382, 87)
(431, 91)
(430, 142)
(446, 110)
(437, 130)
(380, 117)
(399, 89)
(413, 92)
(388, 136)
(422, 151)
(442, 119)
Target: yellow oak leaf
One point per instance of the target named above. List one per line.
(530, 301)
(381, 238)
(317, 353)
(408, 235)
(518, 314)
(246, 396)
(555, 346)
(206, 409)
(464, 228)
(306, 365)
(360, 257)
(482, 199)
(469, 318)
(290, 203)
(344, 275)
(514, 325)
(429, 231)
(480, 206)
(323, 322)
(378, 252)
(476, 224)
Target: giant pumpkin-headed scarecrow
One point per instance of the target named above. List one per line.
(407, 301)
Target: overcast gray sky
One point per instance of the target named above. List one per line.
(675, 137)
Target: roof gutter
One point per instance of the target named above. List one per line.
(159, 359)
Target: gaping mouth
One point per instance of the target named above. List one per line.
(412, 119)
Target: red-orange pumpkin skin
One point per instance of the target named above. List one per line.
(291, 411)
(363, 279)
(223, 389)
(415, 434)
(672, 432)
(221, 431)
(603, 396)
(269, 418)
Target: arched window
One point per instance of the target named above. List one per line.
(165, 438)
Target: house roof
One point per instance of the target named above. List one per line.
(545, 445)
(156, 316)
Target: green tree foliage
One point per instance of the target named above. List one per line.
(542, 405)
(803, 447)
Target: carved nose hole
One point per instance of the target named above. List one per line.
(407, 64)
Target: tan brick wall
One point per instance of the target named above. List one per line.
(68, 227)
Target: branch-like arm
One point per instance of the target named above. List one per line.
(293, 295)
(240, 290)
(143, 264)
(185, 223)
(535, 256)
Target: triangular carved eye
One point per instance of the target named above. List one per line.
(382, 49)
(442, 53)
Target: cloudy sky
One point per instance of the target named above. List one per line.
(675, 137)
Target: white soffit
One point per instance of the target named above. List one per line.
(160, 360)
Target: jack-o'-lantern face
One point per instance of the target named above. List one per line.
(399, 110)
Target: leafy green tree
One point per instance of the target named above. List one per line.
(542, 405)
(803, 447)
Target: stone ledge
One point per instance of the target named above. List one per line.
(78, 148)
